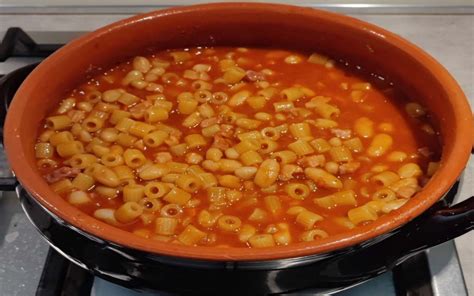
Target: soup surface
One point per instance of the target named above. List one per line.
(236, 147)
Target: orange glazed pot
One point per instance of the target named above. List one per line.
(253, 25)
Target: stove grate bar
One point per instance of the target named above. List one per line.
(17, 43)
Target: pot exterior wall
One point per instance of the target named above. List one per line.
(145, 271)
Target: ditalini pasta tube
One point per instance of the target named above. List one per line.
(236, 147)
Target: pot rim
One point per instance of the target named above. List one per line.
(439, 184)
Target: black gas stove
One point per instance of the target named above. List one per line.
(422, 274)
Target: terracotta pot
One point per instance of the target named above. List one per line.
(241, 24)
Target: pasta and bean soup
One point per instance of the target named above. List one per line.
(236, 147)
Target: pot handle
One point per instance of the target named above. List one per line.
(437, 225)
(442, 225)
(8, 86)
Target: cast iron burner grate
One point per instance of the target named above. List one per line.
(16, 43)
